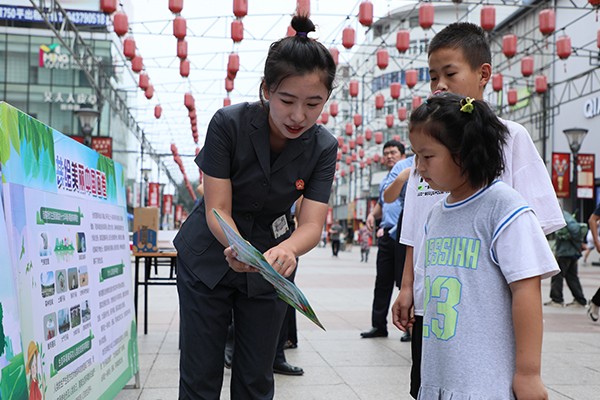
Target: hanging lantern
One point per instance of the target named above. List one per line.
(395, 90)
(184, 68)
(362, 163)
(541, 84)
(179, 27)
(228, 85)
(233, 65)
(416, 102)
(379, 101)
(353, 88)
(149, 92)
(563, 47)
(368, 135)
(324, 118)
(396, 138)
(290, 31)
(174, 149)
(108, 6)
(303, 7)
(120, 23)
(237, 31)
(349, 129)
(426, 14)
(403, 40)
(188, 101)
(129, 48)
(411, 77)
(333, 109)
(182, 49)
(389, 120)
(509, 45)
(383, 58)
(175, 6)
(240, 8)
(369, 161)
(527, 66)
(340, 140)
(547, 22)
(497, 83)
(348, 37)
(144, 81)
(378, 140)
(157, 111)
(344, 149)
(512, 96)
(488, 18)
(137, 63)
(343, 173)
(226, 102)
(335, 54)
(402, 113)
(357, 120)
(352, 144)
(360, 140)
(365, 13)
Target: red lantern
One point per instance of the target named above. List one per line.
(108, 6)
(353, 88)
(396, 138)
(411, 77)
(228, 85)
(383, 58)
(378, 140)
(348, 159)
(527, 66)
(184, 68)
(324, 118)
(488, 18)
(175, 6)
(179, 27)
(344, 149)
(348, 37)
(379, 101)
(352, 144)
(389, 120)
(188, 101)
(547, 22)
(340, 140)
(357, 120)
(402, 113)
(360, 140)
(333, 109)
(416, 102)
(361, 152)
(233, 65)
(541, 84)
(362, 163)
(497, 83)
(137, 63)
(368, 135)
(129, 48)
(512, 96)
(174, 149)
(144, 81)
(303, 7)
(403, 40)
(226, 102)
(120, 23)
(509, 45)
(365, 13)
(426, 14)
(563, 47)
(237, 31)
(349, 129)
(395, 90)
(343, 173)
(157, 111)
(149, 92)
(240, 8)
(335, 54)
(182, 49)
(369, 161)
(290, 31)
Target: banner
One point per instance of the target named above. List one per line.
(167, 204)
(585, 176)
(561, 171)
(178, 212)
(66, 223)
(153, 189)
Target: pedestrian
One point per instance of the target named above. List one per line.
(459, 62)
(335, 231)
(567, 249)
(485, 254)
(594, 223)
(389, 262)
(364, 241)
(259, 159)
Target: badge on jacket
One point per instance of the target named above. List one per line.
(299, 184)
(279, 227)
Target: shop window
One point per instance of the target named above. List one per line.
(14, 66)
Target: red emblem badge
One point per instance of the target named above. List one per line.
(299, 184)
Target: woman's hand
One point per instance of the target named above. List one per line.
(234, 264)
(281, 259)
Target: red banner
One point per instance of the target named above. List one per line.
(153, 188)
(178, 212)
(585, 176)
(103, 145)
(561, 167)
(167, 204)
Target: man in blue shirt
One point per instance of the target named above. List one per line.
(389, 264)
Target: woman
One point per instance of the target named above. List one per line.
(258, 159)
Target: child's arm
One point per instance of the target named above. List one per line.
(528, 325)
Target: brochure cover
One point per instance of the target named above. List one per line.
(248, 254)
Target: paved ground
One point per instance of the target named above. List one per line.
(340, 365)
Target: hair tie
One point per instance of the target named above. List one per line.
(466, 105)
(303, 34)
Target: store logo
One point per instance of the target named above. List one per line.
(50, 56)
(591, 108)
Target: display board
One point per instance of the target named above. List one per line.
(74, 335)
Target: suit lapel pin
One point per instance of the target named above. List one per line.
(299, 184)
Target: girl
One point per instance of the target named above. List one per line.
(258, 159)
(485, 254)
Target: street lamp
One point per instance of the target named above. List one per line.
(575, 137)
(87, 119)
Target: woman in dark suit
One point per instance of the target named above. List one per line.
(258, 158)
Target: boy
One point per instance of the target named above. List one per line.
(459, 61)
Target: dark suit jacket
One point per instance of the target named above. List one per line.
(237, 148)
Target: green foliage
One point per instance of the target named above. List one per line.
(107, 166)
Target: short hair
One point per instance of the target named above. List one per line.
(475, 139)
(467, 37)
(395, 143)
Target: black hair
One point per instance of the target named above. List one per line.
(297, 55)
(475, 139)
(467, 37)
(395, 143)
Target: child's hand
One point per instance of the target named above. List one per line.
(529, 387)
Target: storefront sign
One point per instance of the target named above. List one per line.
(561, 167)
(12, 12)
(591, 108)
(70, 101)
(585, 176)
(102, 144)
(51, 56)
